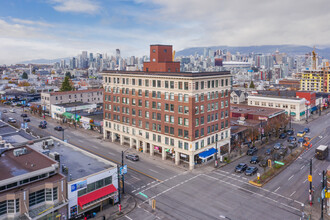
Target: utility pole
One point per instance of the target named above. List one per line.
(310, 184)
(290, 120)
(75, 116)
(122, 175)
(62, 134)
(306, 113)
(319, 109)
(323, 187)
(216, 152)
(119, 199)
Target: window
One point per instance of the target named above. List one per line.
(49, 196)
(196, 121)
(186, 145)
(180, 132)
(146, 82)
(202, 85)
(196, 98)
(186, 110)
(166, 84)
(202, 108)
(186, 98)
(180, 109)
(36, 197)
(172, 84)
(140, 92)
(202, 120)
(180, 144)
(172, 130)
(196, 146)
(186, 122)
(180, 85)
(196, 85)
(166, 95)
(180, 97)
(180, 121)
(159, 83)
(153, 83)
(159, 95)
(186, 86)
(133, 91)
(159, 105)
(172, 96)
(202, 97)
(186, 134)
(146, 104)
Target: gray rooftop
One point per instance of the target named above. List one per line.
(79, 162)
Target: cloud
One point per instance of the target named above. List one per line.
(76, 6)
(30, 22)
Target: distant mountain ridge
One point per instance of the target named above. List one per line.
(265, 49)
(45, 61)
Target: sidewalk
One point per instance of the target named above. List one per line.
(312, 117)
(128, 204)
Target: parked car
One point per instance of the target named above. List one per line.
(254, 160)
(132, 157)
(58, 128)
(7, 103)
(42, 126)
(306, 130)
(269, 151)
(277, 146)
(283, 151)
(12, 110)
(4, 111)
(26, 120)
(290, 132)
(23, 115)
(301, 140)
(283, 135)
(11, 120)
(291, 138)
(240, 168)
(264, 162)
(292, 145)
(43, 122)
(251, 171)
(301, 134)
(252, 151)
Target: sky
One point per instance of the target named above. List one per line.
(49, 29)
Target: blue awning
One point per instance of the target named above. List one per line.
(314, 108)
(207, 153)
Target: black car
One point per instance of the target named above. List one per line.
(252, 151)
(263, 162)
(11, 120)
(58, 128)
(306, 130)
(290, 132)
(254, 160)
(240, 168)
(283, 135)
(283, 151)
(132, 157)
(269, 151)
(277, 146)
(293, 144)
(43, 122)
(291, 138)
(26, 120)
(251, 171)
(42, 126)
(23, 115)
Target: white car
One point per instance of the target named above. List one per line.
(12, 110)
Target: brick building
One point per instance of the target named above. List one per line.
(161, 60)
(175, 114)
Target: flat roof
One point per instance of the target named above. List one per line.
(12, 166)
(274, 96)
(12, 135)
(75, 91)
(73, 104)
(80, 163)
(254, 110)
(180, 74)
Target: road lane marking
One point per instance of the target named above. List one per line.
(277, 189)
(305, 181)
(290, 177)
(161, 167)
(128, 217)
(111, 153)
(302, 167)
(153, 171)
(255, 193)
(292, 193)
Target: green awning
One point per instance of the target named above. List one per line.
(68, 115)
(302, 113)
(293, 113)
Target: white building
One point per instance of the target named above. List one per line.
(295, 106)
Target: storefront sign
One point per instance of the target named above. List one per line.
(78, 185)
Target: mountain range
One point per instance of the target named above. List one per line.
(291, 50)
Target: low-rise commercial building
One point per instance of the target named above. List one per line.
(86, 96)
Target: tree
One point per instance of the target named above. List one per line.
(68, 74)
(251, 85)
(66, 85)
(25, 75)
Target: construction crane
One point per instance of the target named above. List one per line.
(314, 59)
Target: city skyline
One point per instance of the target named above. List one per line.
(56, 28)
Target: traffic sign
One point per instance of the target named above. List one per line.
(323, 193)
(142, 194)
(310, 178)
(123, 170)
(278, 162)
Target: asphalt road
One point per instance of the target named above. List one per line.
(204, 193)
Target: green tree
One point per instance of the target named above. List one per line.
(68, 74)
(251, 85)
(66, 85)
(25, 75)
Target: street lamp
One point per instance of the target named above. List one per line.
(122, 164)
(216, 152)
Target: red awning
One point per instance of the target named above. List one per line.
(97, 194)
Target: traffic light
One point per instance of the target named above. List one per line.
(153, 204)
(269, 163)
